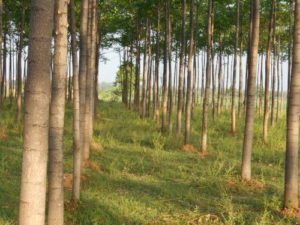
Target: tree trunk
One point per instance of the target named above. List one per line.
(169, 42)
(76, 110)
(292, 141)
(2, 74)
(165, 72)
(90, 79)
(36, 125)
(278, 79)
(190, 79)
(137, 72)
(267, 74)
(204, 142)
(83, 68)
(181, 68)
(156, 78)
(145, 69)
(220, 75)
(250, 108)
(273, 85)
(233, 113)
(57, 116)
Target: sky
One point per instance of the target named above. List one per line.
(109, 66)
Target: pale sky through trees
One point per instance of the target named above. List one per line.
(109, 68)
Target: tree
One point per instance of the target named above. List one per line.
(208, 78)
(83, 68)
(267, 80)
(19, 66)
(233, 113)
(251, 91)
(190, 79)
(36, 128)
(165, 70)
(57, 116)
(292, 141)
(76, 111)
(181, 68)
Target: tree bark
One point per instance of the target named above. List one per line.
(57, 116)
(292, 141)
(36, 125)
(233, 99)
(137, 72)
(267, 75)
(165, 72)
(190, 79)
(250, 108)
(156, 76)
(204, 142)
(181, 68)
(77, 158)
(83, 69)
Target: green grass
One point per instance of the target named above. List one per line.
(148, 179)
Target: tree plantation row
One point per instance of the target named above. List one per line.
(236, 56)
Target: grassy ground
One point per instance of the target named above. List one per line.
(142, 177)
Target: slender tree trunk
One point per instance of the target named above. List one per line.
(261, 86)
(170, 94)
(267, 74)
(36, 125)
(273, 86)
(19, 69)
(156, 78)
(220, 75)
(250, 110)
(145, 69)
(149, 79)
(190, 79)
(76, 111)
(137, 72)
(233, 113)
(165, 72)
(90, 80)
(2, 74)
(204, 142)
(292, 141)
(83, 69)
(278, 79)
(4, 67)
(181, 68)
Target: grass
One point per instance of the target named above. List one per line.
(146, 178)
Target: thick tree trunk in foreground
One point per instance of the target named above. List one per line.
(36, 125)
(292, 142)
(250, 108)
(57, 116)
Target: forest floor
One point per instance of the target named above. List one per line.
(138, 176)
